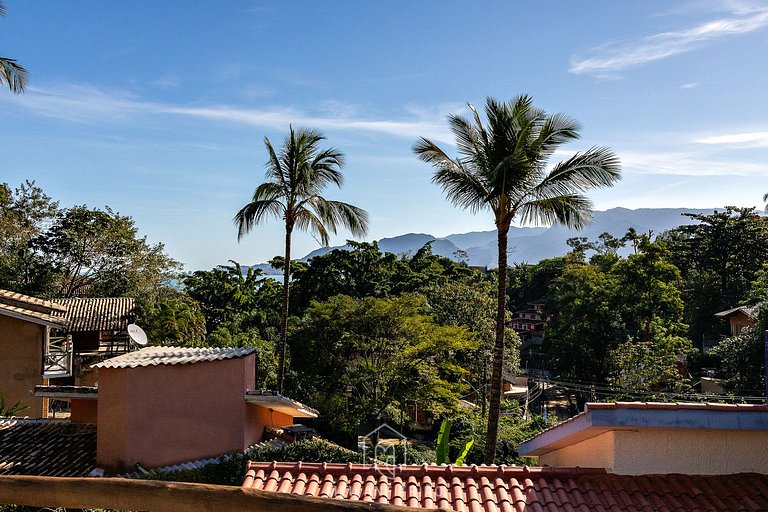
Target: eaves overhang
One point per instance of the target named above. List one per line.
(600, 418)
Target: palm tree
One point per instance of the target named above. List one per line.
(502, 167)
(11, 72)
(295, 178)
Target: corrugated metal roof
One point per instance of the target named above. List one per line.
(154, 356)
(32, 316)
(510, 488)
(17, 299)
(46, 448)
(98, 314)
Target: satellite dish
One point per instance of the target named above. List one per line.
(137, 334)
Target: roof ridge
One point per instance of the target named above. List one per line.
(448, 470)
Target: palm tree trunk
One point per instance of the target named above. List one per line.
(498, 352)
(284, 315)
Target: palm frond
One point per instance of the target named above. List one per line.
(573, 211)
(276, 173)
(266, 202)
(336, 213)
(463, 187)
(306, 220)
(596, 167)
(13, 74)
(326, 169)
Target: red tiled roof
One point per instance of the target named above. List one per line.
(511, 488)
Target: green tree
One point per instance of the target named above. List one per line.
(11, 72)
(296, 176)
(719, 258)
(587, 323)
(363, 360)
(172, 319)
(24, 213)
(98, 253)
(235, 299)
(503, 167)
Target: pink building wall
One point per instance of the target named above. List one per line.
(169, 414)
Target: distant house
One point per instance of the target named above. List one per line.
(738, 318)
(160, 406)
(529, 323)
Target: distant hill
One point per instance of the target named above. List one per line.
(528, 245)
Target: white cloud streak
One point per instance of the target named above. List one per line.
(608, 59)
(78, 103)
(688, 163)
(750, 139)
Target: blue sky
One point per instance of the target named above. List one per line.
(159, 109)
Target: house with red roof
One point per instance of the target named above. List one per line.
(162, 406)
(612, 457)
(54, 342)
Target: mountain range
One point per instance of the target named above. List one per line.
(528, 244)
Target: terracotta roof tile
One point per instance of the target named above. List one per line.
(512, 488)
(33, 316)
(46, 448)
(154, 356)
(98, 313)
(27, 302)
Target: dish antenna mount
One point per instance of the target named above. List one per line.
(137, 334)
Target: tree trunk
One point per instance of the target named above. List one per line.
(284, 315)
(498, 352)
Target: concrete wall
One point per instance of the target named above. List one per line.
(663, 451)
(21, 360)
(259, 417)
(83, 410)
(168, 414)
(597, 452)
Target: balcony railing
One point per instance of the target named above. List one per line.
(57, 360)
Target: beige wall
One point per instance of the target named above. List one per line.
(168, 414)
(596, 452)
(661, 451)
(21, 359)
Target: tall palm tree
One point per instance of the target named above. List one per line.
(295, 178)
(502, 167)
(11, 72)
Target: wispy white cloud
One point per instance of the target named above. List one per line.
(688, 163)
(749, 139)
(79, 103)
(608, 59)
(690, 85)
